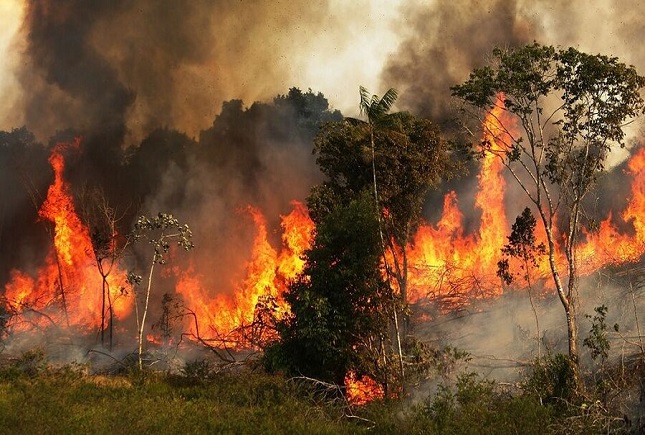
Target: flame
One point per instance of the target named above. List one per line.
(454, 268)
(360, 391)
(267, 273)
(69, 278)
(445, 263)
(608, 245)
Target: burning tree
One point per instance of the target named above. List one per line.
(340, 304)
(378, 174)
(571, 108)
(395, 156)
(108, 247)
(159, 231)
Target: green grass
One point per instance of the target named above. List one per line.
(236, 404)
(35, 399)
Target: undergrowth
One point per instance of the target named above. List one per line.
(37, 398)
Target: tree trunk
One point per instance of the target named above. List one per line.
(143, 316)
(572, 330)
(567, 299)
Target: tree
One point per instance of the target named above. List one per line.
(108, 248)
(570, 109)
(339, 305)
(159, 231)
(397, 156)
(522, 245)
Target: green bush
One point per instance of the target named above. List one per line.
(476, 405)
(552, 380)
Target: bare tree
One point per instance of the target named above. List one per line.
(159, 231)
(108, 247)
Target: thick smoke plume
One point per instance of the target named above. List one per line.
(442, 42)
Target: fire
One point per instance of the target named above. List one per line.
(362, 390)
(454, 268)
(267, 273)
(446, 263)
(69, 278)
(609, 246)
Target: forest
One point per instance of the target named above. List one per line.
(182, 250)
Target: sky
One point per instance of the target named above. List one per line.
(173, 63)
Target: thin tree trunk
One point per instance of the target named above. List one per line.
(568, 303)
(62, 289)
(103, 296)
(387, 271)
(143, 317)
(535, 313)
(398, 342)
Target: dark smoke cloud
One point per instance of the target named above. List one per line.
(136, 66)
(69, 83)
(443, 43)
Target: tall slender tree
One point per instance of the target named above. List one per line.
(159, 231)
(566, 110)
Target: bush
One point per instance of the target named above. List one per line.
(552, 380)
(476, 405)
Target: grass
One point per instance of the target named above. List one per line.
(64, 402)
(36, 399)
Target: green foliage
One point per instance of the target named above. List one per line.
(552, 380)
(338, 303)
(409, 158)
(309, 110)
(30, 364)
(598, 96)
(158, 231)
(57, 403)
(172, 311)
(597, 341)
(475, 405)
(198, 370)
(522, 245)
(204, 400)
(375, 107)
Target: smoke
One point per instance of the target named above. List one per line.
(133, 67)
(442, 43)
(501, 335)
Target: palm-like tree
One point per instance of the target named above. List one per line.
(376, 110)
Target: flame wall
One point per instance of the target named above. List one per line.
(149, 87)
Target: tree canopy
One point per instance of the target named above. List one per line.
(560, 112)
(338, 303)
(404, 154)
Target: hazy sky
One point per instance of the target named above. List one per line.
(180, 60)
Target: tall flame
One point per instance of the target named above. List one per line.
(267, 273)
(448, 265)
(69, 278)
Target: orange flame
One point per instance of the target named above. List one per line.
(362, 390)
(447, 264)
(607, 245)
(69, 277)
(267, 273)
